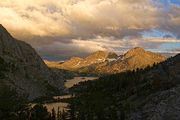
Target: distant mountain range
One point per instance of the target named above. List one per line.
(23, 70)
(103, 62)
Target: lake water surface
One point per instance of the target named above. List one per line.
(68, 84)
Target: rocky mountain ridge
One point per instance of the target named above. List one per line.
(131, 60)
(76, 63)
(102, 62)
(27, 73)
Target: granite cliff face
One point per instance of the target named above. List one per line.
(27, 73)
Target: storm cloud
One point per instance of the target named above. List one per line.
(64, 28)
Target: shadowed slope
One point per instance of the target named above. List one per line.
(28, 74)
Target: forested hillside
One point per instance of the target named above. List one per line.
(134, 95)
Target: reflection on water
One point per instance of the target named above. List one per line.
(68, 84)
(62, 106)
(62, 97)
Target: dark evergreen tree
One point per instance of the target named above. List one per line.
(64, 115)
(59, 114)
(39, 112)
(53, 115)
(71, 111)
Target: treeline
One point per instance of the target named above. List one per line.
(114, 97)
(38, 112)
(13, 107)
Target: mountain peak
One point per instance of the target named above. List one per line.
(135, 51)
(101, 55)
(1, 25)
(2, 28)
(99, 52)
(3, 31)
(76, 58)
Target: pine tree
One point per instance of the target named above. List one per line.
(53, 115)
(58, 114)
(64, 115)
(71, 111)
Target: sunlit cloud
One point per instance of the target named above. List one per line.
(113, 25)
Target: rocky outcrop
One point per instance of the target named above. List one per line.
(164, 104)
(27, 73)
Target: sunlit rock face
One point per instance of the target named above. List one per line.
(76, 63)
(27, 73)
(133, 59)
(102, 62)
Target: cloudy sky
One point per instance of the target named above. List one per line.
(59, 29)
